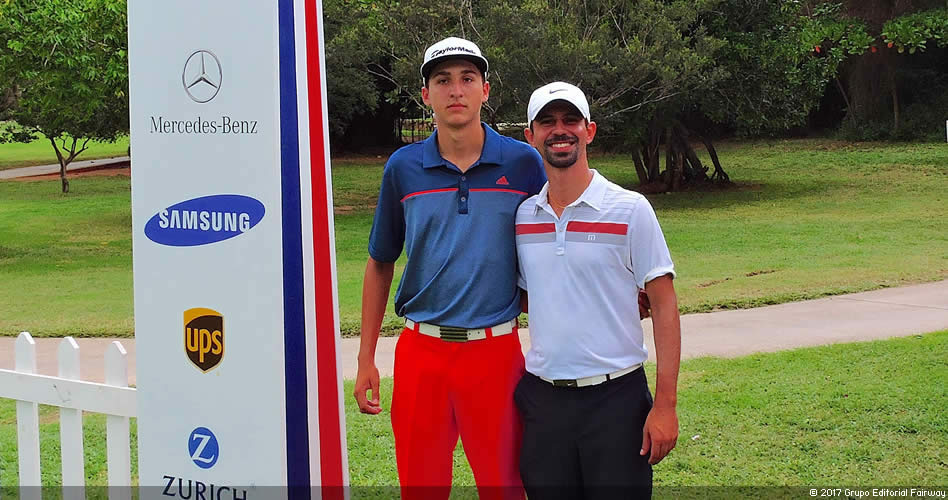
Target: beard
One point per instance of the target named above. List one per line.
(557, 159)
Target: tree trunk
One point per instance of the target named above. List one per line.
(850, 112)
(655, 136)
(62, 176)
(676, 171)
(639, 166)
(893, 88)
(870, 79)
(696, 170)
(719, 174)
(62, 165)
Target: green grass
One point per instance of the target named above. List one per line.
(807, 218)
(65, 260)
(860, 414)
(40, 152)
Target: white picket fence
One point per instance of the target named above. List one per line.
(73, 396)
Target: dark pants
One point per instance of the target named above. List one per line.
(584, 442)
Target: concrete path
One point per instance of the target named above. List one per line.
(14, 173)
(892, 312)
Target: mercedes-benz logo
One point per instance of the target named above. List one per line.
(202, 76)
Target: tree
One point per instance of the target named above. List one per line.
(352, 90)
(67, 62)
(661, 75)
(897, 29)
(637, 61)
(628, 56)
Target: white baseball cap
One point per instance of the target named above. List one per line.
(453, 48)
(557, 91)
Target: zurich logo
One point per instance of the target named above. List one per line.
(200, 221)
(202, 445)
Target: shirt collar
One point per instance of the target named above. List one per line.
(491, 153)
(592, 196)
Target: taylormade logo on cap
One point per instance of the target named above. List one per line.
(451, 48)
(557, 91)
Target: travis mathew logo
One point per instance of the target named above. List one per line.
(202, 76)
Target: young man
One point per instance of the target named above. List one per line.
(586, 247)
(451, 201)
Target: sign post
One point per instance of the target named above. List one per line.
(236, 320)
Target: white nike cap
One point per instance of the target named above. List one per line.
(453, 48)
(557, 91)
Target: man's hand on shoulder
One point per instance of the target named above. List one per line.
(660, 433)
(644, 305)
(367, 378)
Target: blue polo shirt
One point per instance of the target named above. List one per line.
(457, 230)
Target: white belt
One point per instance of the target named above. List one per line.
(454, 334)
(594, 380)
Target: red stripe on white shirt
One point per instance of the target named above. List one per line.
(597, 227)
(547, 227)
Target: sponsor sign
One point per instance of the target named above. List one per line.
(203, 447)
(204, 337)
(233, 251)
(202, 76)
(204, 220)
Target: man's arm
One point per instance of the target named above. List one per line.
(375, 288)
(661, 426)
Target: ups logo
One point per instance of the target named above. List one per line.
(204, 337)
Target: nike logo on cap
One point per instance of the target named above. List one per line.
(553, 91)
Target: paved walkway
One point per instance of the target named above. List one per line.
(13, 173)
(892, 312)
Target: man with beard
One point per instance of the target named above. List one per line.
(450, 201)
(586, 247)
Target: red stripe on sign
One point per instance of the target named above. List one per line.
(327, 383)
(547, 227)
(501, 190)
(597, 227)
(445, 190)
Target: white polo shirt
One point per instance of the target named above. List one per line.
(583, 273)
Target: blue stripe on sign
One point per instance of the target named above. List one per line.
(294, 322)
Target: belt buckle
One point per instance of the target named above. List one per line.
(564, 383)
(453, 334)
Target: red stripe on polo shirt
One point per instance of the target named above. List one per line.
(547, 227)
(500, 190)
(445, 190)
(597, 227)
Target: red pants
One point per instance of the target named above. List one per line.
(445, 389)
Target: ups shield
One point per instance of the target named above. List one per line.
(204, 337)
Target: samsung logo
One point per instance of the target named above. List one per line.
(204, 220)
